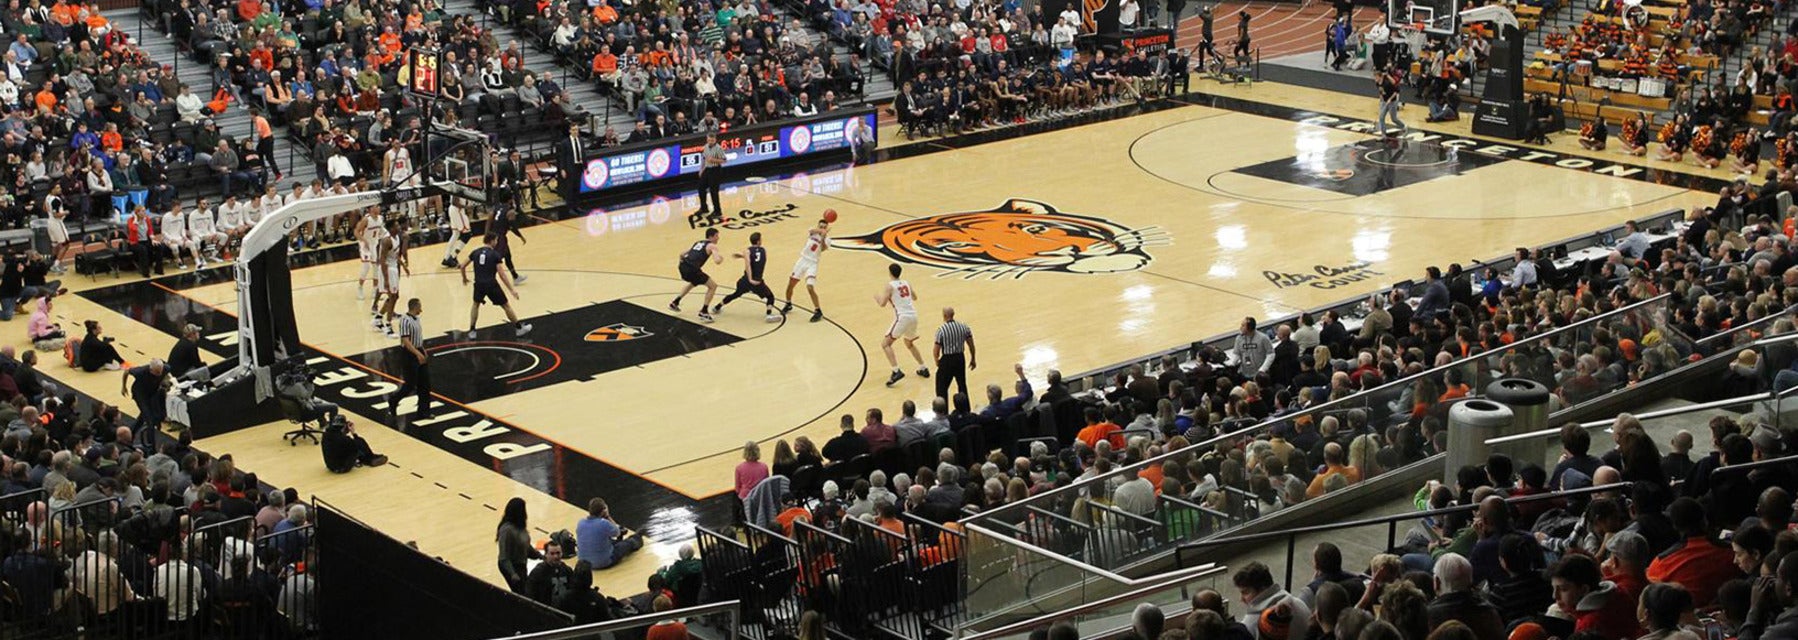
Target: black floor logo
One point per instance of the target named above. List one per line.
(565, 346)
(1371, 166)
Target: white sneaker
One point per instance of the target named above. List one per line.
(360, 295)
(112, 366)
(391, 333)
(521, 278)
(772, 317)
(523, 329)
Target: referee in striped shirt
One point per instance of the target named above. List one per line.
(418, 372)
(951, 339)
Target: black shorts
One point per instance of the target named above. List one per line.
(760, 290)
(692, 274)
(489, 292)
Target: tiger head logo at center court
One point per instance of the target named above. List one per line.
(1015, 239)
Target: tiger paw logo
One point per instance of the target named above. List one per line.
(617, 333)
(1018, 238)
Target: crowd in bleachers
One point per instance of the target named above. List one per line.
(1193, 467)
(966, 65)
(1209, 471)
(681, 68)
(1717, 280)
(112, 529)
(1639, 545)
(89, 124)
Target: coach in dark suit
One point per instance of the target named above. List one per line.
(569, 161)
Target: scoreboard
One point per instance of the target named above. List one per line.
(756, 144)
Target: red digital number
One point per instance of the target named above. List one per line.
(904, 291)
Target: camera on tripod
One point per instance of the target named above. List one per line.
(299, 404)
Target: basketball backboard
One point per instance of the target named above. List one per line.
(459, 162)
(1432, 17)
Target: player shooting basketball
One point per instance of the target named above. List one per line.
(817, 240)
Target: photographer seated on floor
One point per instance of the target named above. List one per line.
(344, 450)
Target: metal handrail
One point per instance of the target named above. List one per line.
(1756, 464)
(1133, 595)
(1769, 319)
(817, 530)
(1099, 506)
(1663, 413)
(1080, 485)
(727, 607)
(78, 507)
(940, 529)
(1082, 566)
(1715, 404)
(1188, 504)
(877, 529)
(1391, 522)
(771, 533)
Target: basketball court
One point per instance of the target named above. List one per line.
(1071, 249)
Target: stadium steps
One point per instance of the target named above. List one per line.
(235, 121)
(877, 88)
(583, 94)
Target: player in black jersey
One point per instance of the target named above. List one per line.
(755, 259)
(692, 270)
(491, 284)
(505, 220)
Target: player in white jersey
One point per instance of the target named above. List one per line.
(174, 236)
(899, 295)
(55, 210)
(270, 203)
(368, 235)
(817, 241)
(460, 232)
(203, 231)
(393, 262)
(397, 171)
(230, 219)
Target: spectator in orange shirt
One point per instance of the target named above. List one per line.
(886, 516)
(793, 511)
(96, 23)
(248, 10)
(1456, 388)
(605, 66)
(65, 13)
(1697, 562)
(1332, 467)
(605, 14)
(390, 46)
(666, 629)
(46, 98)
(110, 139)
(1099, 429)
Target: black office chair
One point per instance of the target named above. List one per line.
(303, 416)
(294, 393)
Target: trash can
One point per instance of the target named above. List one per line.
(1528, 401)
(40, 236)
(1470, 424)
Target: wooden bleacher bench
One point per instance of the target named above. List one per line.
(1584, 93)
(1583, 111)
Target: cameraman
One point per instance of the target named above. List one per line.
(344, 450)
(144, 385)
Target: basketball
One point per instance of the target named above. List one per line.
(830, 216)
